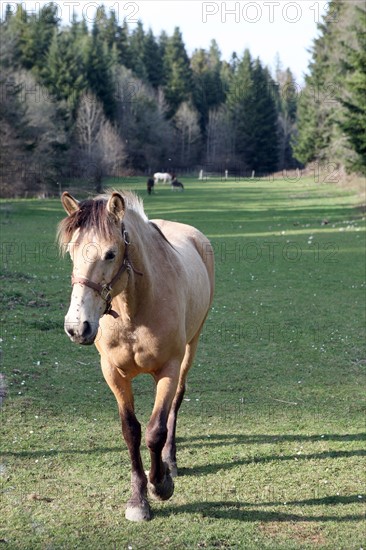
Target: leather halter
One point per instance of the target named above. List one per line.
(106, 289)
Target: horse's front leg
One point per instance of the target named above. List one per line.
(161, 485)
(137, 508)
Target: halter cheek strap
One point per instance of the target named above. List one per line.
(106, 289)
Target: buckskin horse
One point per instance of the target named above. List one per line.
(141, 291)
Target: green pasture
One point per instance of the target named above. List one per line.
(271, 432)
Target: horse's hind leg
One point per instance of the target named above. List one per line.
(160, 482)
(170, 450)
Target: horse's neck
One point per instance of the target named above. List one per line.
(140, 288)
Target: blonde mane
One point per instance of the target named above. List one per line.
(132, 201)
(92, 214)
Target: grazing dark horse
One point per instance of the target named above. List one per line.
(141, 292)
(150, 185)
(177, 185)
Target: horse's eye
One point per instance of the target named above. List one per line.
(110, 255)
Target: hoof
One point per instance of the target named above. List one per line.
(163, 490)
(138, 512)
(172, 467)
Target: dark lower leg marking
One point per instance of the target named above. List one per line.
(160, 483)
(170, 449)
(137, 506)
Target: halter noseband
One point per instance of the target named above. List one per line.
(106, 289)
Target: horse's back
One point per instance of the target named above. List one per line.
(195, 264)
(186, 238)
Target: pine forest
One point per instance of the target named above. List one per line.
(88, 102)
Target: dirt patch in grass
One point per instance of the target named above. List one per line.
(300, 532)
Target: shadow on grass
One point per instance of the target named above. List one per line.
(233, 510)
(216, 467)
(332, 500)
(224, 440)
(55, 452)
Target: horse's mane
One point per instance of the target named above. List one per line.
(92, 214)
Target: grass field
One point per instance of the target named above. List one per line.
(271, 432)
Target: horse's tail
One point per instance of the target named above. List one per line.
(205, 250)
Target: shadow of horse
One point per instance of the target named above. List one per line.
(233, 510)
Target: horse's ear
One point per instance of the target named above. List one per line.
(69, 203)
(116, 205)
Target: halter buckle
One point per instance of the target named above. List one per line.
(126, 238)
(106, 293)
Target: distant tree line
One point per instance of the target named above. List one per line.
(80, 102)
(331, 119)
(107, 100)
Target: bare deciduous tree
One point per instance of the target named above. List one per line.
(219, 141)
(142, 123)
(112, 148)
(100, 148)
(188, 134)
(88, 122)
(32, 135)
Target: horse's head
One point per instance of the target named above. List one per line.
(96, 244)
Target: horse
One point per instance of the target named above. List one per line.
(165, 177)
(150, 185)
(141, 292)
(177, 185)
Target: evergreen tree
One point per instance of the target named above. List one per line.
(208, 90)
(78, 30)
(153, 61)
(35, 35)
(14, 130)
(8, 14)
(137, 52)
(241, 101)
(307, 142)
(163, 42)
(286, 96)
(200, 80)
(234, 61)
(99, 75)
(107, 26)
(178, 75)
(122, 45)
(254, 116)
(353, 121)
(64, 73)
(226, 75)
(217, 89)
(319, 138)
(8, 42)
(265, 132)
(16, 26)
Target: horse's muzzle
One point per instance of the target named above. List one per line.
(81, 333)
